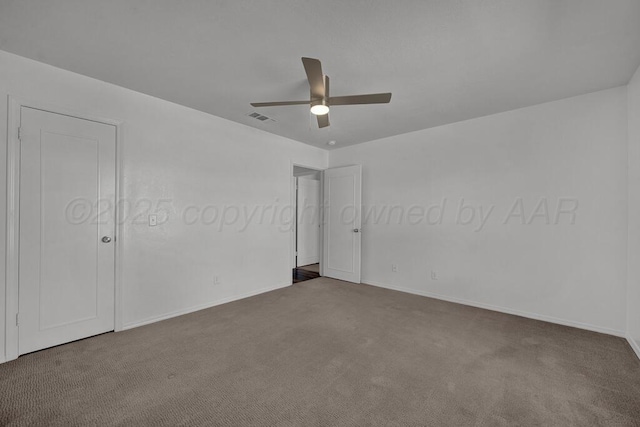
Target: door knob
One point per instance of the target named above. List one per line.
(106, 239)
(356, 230)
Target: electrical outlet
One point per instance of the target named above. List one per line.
(394, 268)
(434, 275)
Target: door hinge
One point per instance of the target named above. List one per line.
(19, 133)
(17, 319)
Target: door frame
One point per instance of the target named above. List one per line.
(13, 213)
(294, 216)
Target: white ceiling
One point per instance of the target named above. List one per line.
(444, 61)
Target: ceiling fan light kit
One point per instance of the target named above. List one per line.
(319, 108)
(320, 101)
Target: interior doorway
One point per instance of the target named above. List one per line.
(333, 229)
(307, 230)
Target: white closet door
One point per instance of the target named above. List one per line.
(67, 208)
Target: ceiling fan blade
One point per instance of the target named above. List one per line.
(373, 98)
(323, 120)
(314, 74)
(326, 86)
(275, 104)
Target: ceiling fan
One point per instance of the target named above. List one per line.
(320, 101)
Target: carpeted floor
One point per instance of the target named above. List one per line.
(325, 352)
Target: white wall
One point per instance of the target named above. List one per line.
(194, 160)
(308, 232)
(633, 282)
(569, 150)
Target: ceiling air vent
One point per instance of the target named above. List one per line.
(260, 117)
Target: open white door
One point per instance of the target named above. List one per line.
(342, 222)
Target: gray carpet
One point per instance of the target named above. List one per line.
(325, 352)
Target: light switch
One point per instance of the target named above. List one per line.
(153, 220)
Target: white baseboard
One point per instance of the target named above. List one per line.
(506, 310)
(634, 345)
(155, 319)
